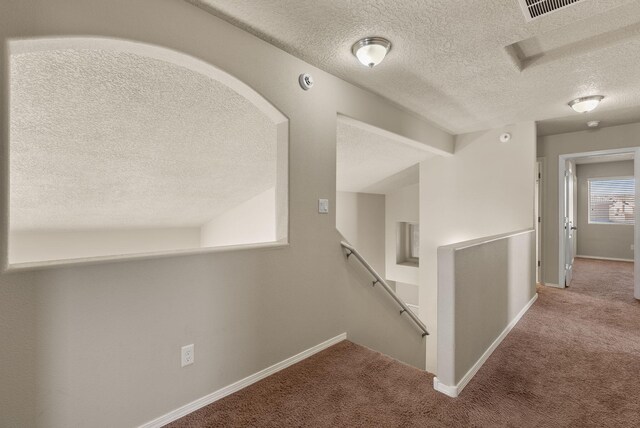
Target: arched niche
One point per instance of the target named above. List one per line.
(122, 149)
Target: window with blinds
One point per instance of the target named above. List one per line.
(612, 200)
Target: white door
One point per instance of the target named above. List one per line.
(570, 228)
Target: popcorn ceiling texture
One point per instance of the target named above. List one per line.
(365, 158)
(448, 62)
(110, 140)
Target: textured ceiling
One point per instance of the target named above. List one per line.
(103, 139)
(449, 61)
(370, 163)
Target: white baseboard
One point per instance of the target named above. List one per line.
(243, 383)
(451, 391)
(605, 258)
(551, 284)
(455, 390)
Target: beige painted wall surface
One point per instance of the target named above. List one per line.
(550, 148)
(32, 246)
(360, 219)
(101, 342)
(486, 189)
(18, 350)
(482, 288)
(602, 240)
(402, 205)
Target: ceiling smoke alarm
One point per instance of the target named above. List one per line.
(505, 137)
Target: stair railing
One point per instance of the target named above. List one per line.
(350, 250)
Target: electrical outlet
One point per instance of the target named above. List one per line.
(188, 355)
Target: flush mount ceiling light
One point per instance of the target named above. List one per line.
(585, 104)
(370, 51)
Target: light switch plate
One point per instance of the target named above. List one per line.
(323, 206)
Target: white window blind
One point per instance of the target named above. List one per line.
(612, 200)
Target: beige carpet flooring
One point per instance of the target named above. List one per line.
(572, 361)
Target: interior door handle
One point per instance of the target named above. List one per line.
(574, 228)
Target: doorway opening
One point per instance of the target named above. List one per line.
(597, 214)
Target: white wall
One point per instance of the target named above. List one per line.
(35, 246)
(486, 188)
(253, 221)
(402, 205)
(409, 293)
(69, 333)
(602, 240)
(483, 288)
(360, 218)
(549, 149)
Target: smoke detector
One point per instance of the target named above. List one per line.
(533, 9)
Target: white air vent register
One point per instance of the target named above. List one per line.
(536, 8)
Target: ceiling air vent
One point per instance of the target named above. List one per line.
(536, 8)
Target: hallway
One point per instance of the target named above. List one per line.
(572, 361)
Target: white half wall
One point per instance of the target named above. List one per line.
(38, 246)
(485, 189)
(484, 288)
(251, 222)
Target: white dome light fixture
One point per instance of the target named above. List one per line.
(370, 51)
(585, 104)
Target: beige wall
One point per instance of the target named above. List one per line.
(486, 188)
(402, 205)
(483, 286)
(34, 246)
(360, 219)
(602, 240)
(549, 149)
(99, 345)
(253, 221)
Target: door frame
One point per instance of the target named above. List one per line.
(561, 197)
(539, 209)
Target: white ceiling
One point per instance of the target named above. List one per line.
(450, 62)
(368, 162)
(102, 139)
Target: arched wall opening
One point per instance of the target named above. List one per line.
(122, 149)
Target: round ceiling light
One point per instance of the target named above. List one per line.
(586, 104)
(370, 51)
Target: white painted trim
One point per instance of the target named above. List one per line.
(605, 258)
(481, 241)
(551, 284)
(29, 266)
(451, 391)
(243, 383)
(454, 391)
